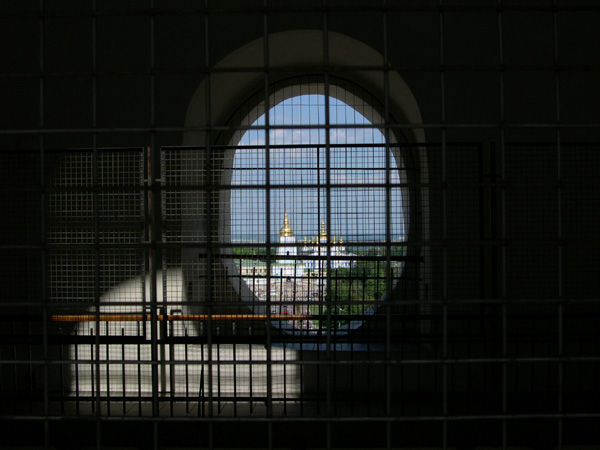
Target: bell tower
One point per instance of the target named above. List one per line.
(285, 267)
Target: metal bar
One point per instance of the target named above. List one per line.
(95, 182)
(388, 231)
(372, 362)
(95, 404)
(210, 289)
(493, 234)
(152, 289)
(340, 419)
(139, 376)
(333, 68)
(123, 374)
(218, 9)
(43, 254)
(559, 232)
(107, 363)
(408, 301)
(444, 234)
(217, 128)
(268, 120)
(328, 297)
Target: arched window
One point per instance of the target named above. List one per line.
(233, 109)
(315, 177)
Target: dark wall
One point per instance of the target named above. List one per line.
(511, 127)
(492, 81)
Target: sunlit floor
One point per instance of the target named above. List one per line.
(241, 370)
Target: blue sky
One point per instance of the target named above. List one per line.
(356, 212)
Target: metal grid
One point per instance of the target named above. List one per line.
(125, 299)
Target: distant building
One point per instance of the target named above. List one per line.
(315, 254)
(308, 260)
(253, 268)
(287, 268)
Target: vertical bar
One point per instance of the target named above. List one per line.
(301, 367)
(444, 244)
(368, 384)
(30, 381)
(144, 175)
(152, 260)
(169, 334)
(139, 366)
(43, 255)
(211, 437)
(270, 435)
(558, 153)
(218, 373)
(95, 404)
(250, 366)
(187, 381)
(559, 231)
(209, 194)
(201, 386)
(235, 389)
(15, 371)
(268, 209)
(159, 335)
(3, 377)
(155, 435)
(76, 362)
(445, 373)
(107, 346)
(493, 275)
(285, 374)
(96, 222)
(559, 223)
(328, 299)
(123, 371)
(483, 214)
(388, 236)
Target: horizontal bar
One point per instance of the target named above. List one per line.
(304, 362)
(492, 125)
(297, 7)
(316, 68)
(311, 419)
(404, 302)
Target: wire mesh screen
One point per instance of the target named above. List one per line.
(300, 225)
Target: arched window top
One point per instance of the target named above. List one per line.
(311, 110)
(213, 104)
(312, 157)
(350, 113)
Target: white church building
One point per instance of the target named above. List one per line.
(312, 256)
(287, 268)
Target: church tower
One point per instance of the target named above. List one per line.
(286, 236)
(323, 234)
(285, 267)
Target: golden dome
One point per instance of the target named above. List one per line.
(323, 232)
(286, 230)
